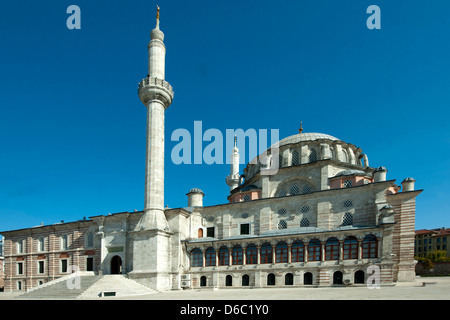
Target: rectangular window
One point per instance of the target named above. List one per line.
(90, 264)
(19, 267)
(64, 266)
(20, 246)
(210, 232)
(245, 228)
(41, 268)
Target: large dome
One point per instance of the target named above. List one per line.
(307, 136)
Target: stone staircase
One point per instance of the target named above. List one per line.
(91, 287)
(115, 285)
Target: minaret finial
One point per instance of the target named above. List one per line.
(157, 17)
(235, 141)
(301, 127)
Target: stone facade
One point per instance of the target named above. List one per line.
(320, 216)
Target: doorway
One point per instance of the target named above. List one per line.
(116, 265)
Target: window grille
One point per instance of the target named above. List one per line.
(304, 222)
(332, 249)
(304, 209)
(348, 203)
(347, 220)
(348, 183)
(307, 189)
(295, 190)
(295, 158)
(282, 212)
(247, 197)
(244, 215)
(282, 193)
(282, 224)
(313, 155)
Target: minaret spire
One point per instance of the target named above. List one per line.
(233, 179)
(157, 95)
(157, 18)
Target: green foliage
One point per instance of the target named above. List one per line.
(433, 256)
(438, 256)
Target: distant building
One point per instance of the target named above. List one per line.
(431, 240)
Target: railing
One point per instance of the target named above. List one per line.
(155, 81)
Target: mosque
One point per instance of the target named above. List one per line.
(311, 212)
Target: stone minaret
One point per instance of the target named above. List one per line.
(151, 236)
(156, 94)
(234, 177)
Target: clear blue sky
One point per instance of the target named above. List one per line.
(73, 128)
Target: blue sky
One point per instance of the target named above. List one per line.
(73, 128)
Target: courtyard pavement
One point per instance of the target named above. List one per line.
(427, 288)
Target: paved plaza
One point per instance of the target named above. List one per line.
(429, 288)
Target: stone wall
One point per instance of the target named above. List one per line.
(439, 268)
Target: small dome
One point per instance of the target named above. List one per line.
(351, 172)
(195, 190)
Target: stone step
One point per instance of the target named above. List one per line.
(116, 285)
(61, 288)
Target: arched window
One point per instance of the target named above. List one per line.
(370, 247)
(308, 278)
(295, 190)
(270, 279)
(332, 249)
(224, 256)
(306, 189)
(314, 250)
(281, 252)
(200, 233)
(245, 280)
(297, 251)
(337, 277)
(196, 258)
(359, 277)
(236, 255)
(344, 155)
(266, 253)
(313, 155)
(247, 197)
(202, 281)
(228, 281)
(280, 161)
(210, 257)
(282, 224)
(347, 219)
(289, 279)
(282, 193)
(251, 254)
(304, 223)
(350, 248)
(295, 158)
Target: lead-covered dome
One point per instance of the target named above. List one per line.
(307, 136)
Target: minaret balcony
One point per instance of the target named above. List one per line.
(155, 89)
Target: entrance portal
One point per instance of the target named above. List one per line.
(116, 265)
